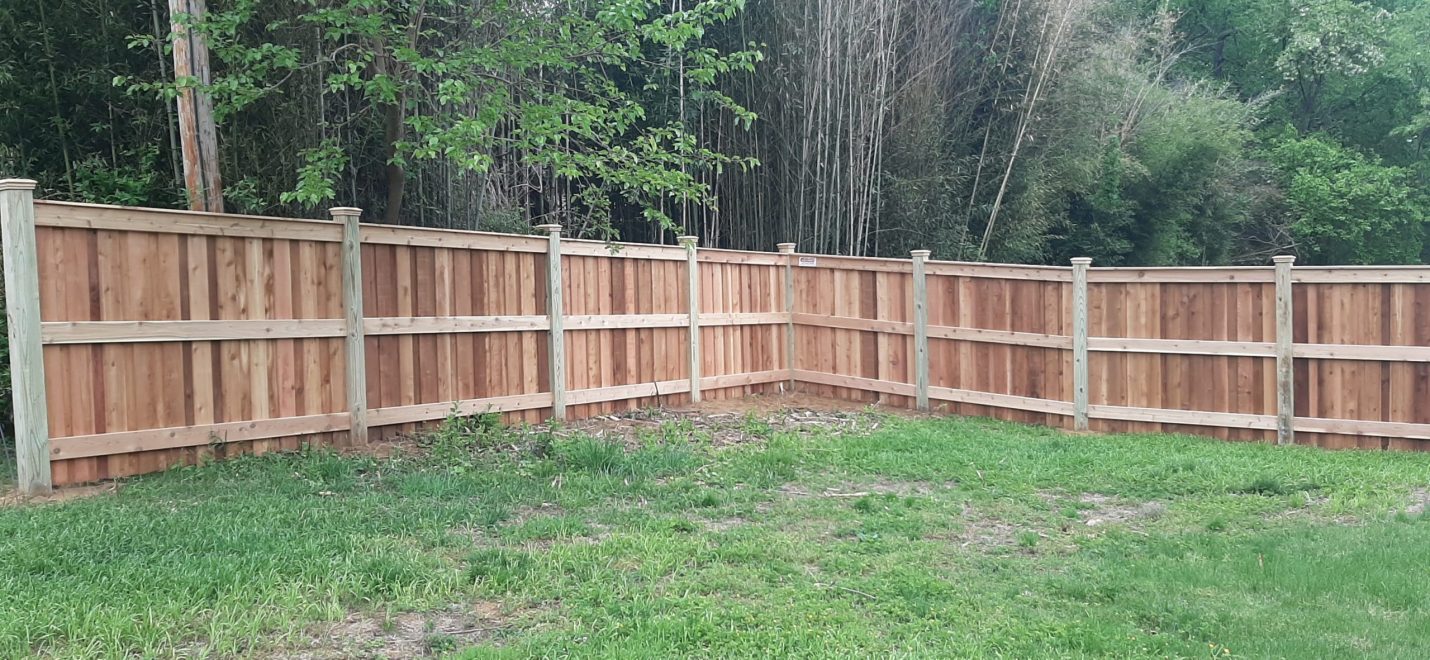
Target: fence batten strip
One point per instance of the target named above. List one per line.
(115, 332)
(426, 412)
(422, 325)
(1181, 346)
(123, 442)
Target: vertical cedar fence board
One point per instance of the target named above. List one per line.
(742, 324)
(275, 277)
(1394, 389)
(409, 370)
(168, 336)
(834, 300)
(652, 357)
(1193, 312)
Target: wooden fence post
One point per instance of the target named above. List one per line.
(692, 276)
(787, 249)
(1285, 360)
(356, 348)
(22, 305)
(558, 328)
(921, 330)
(1079, 329)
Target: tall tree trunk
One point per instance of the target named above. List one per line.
(198, 137)
(393, 131)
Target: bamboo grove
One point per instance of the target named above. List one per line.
(1131, 131)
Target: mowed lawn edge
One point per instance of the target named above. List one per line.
(891, 536)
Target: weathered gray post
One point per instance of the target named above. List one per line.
(787, 249)
(356, 348)
(1285, 360)
(558, 329)
(921, 330)
(692, 276)
(1080, 363)
(22, 304)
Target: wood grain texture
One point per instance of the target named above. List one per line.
(355, 340)
(158, 328)
(22, 309)
(1080, 343)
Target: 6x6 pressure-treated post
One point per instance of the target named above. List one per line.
(787, 249)
(22, 304)
(558, 328)
(692, 289)
(356, 348)
(1079, 329)
(1285, 360)
(921, 330)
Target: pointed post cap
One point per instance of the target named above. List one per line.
(345, 212)
(18, 184)
(920, 254)
(552, 229)
(689, 241)
(785, 248)
(1081, 261)
(1284, 259)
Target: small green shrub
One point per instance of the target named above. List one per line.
(455, 440)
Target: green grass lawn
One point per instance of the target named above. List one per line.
(919, 538)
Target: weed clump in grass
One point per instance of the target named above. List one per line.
(439, 643)
(455, 441)
(1274, 485)
(500, 569)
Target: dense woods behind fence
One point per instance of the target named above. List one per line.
(163, 336)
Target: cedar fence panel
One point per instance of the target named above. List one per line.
(165, 336)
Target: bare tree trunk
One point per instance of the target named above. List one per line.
(198, 136)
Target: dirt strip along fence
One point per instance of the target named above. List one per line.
(145, 338)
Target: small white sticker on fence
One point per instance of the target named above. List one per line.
(806, 261)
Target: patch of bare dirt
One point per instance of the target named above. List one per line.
(1101, 509)
(405, 635)
(1419, 502)
(984, 531)
(14, 498)
(732, 422)
(866, 488)
(724, 524)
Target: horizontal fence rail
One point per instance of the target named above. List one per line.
(145, 338)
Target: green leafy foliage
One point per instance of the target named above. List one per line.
(1347, 208)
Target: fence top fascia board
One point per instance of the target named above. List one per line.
(711, 255)
(1000, 271)
(840, 262)
(589, 248)
(171, 221)
(1183, 275)
(1361, 275)
(452, 238)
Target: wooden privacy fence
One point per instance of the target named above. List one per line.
(143, 338)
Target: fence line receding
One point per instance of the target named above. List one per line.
(162, 336)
